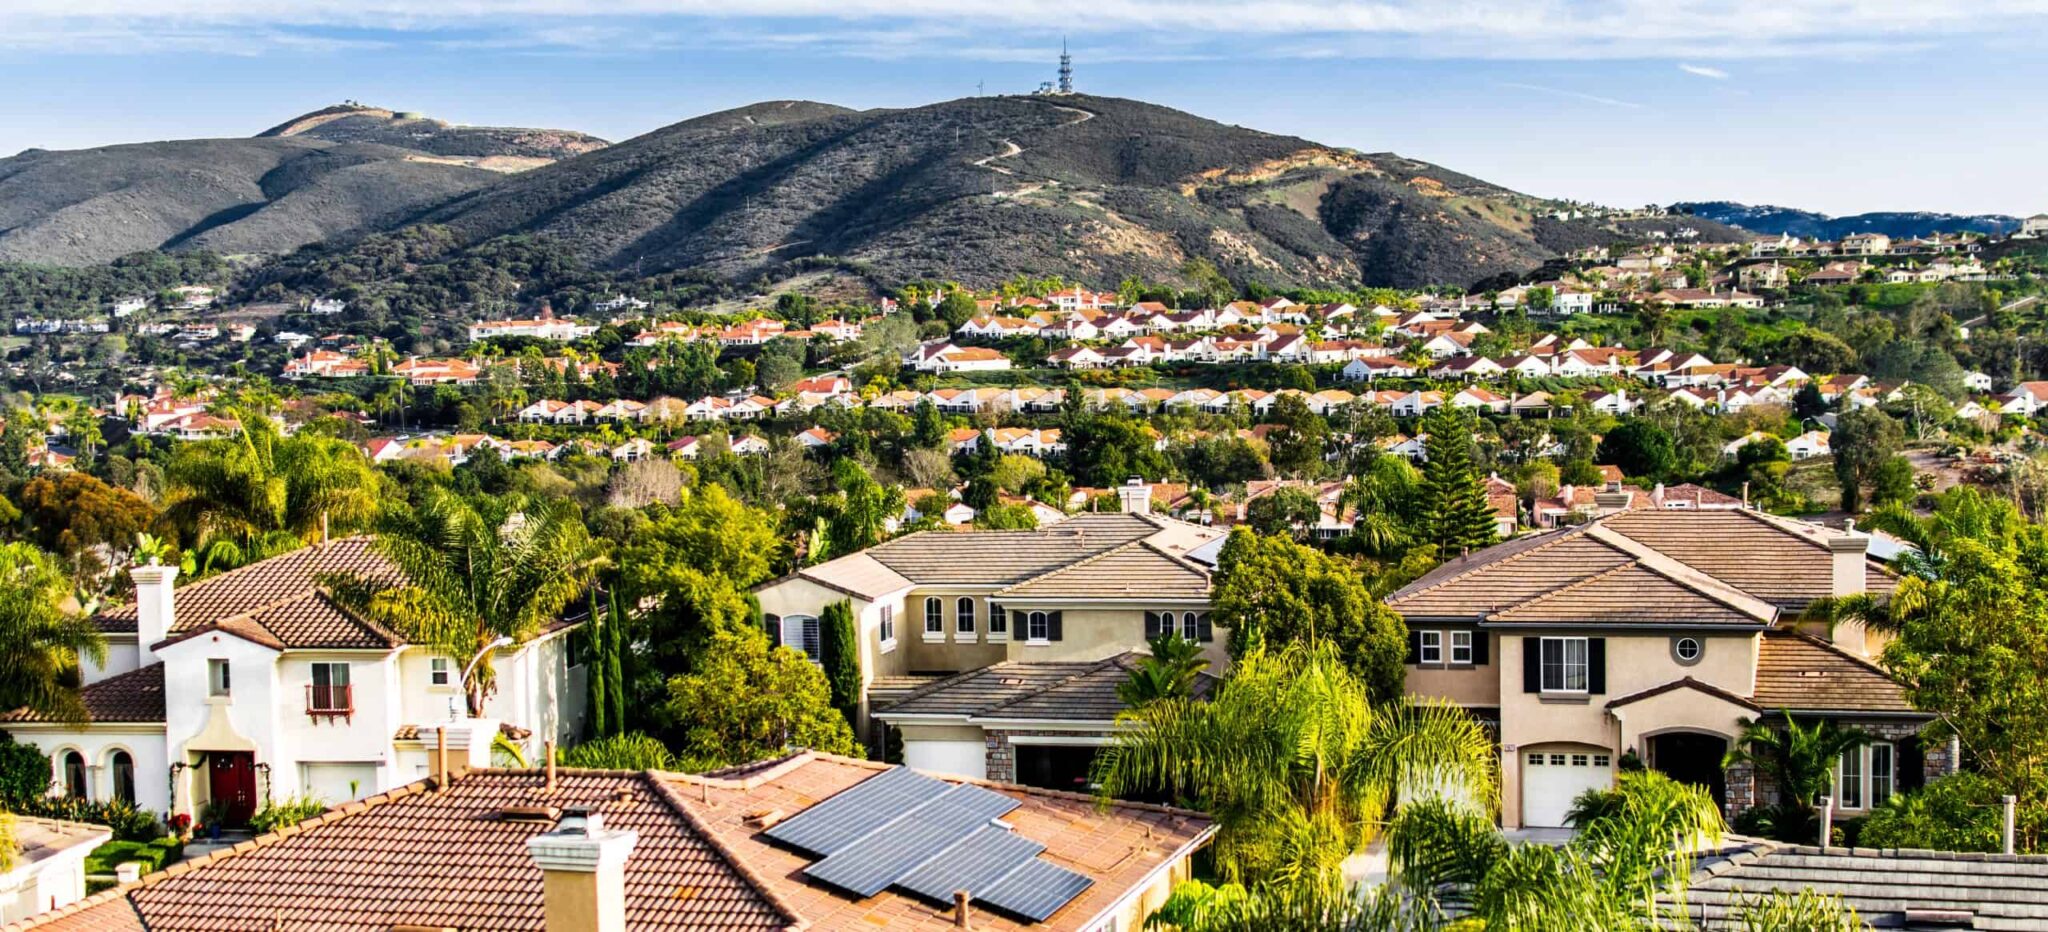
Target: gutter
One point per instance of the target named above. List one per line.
(1145, 883)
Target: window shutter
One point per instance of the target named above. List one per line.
(1207, 633)
(1532, 665)
(1482, 643)
(1151, 625)
(1052, 626)
(1414, 647)
(773, 625)
(1596, 666)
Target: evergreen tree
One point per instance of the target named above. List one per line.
(1456, 515)
(600, 703)
(615, 666)
(841, 649)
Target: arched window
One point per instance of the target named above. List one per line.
(934, 615)
(123, 767)
(1188, 629)
(963, 615)
(1036, 629)
(74, 775)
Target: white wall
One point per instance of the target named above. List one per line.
(145, 743)
(121, 658)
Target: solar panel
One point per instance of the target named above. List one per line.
(977, 862)
(856, 811)
(870, 865)
(1035, 890)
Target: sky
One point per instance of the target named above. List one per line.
(1840, 106)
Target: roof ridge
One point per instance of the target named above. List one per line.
(1077, 564)
(1685, 574)
(1558, 536)
(681, 806)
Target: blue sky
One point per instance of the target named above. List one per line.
(1834, 105)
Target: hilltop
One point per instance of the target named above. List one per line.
(498, 148)
(1771, 220)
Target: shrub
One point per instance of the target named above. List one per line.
(24, 772)
(1955, 813)
(128, 822)
(291, 811)
(105, 858)
(631, 751)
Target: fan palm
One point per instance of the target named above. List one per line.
(40, 641)
(258, 494)
(1168, 673)
(1295, 764)
(1801, 760)
(475, 569)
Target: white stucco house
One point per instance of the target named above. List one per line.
(256, 685)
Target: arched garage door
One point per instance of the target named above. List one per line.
(1554, 776)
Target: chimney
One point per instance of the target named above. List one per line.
(583, 873)
(1846, 556)
(155, 609)
(1136, 496)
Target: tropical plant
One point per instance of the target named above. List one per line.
(1799, 759)
(41, 642)
(1296, 764)
(286, 813)
(257, 494)
(475, 569)
(1168, 672)
(1804, 911)
(629, 751)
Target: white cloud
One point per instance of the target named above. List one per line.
(1703, 71)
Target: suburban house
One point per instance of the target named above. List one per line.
(1653, 635)
(806, 841)
(933, 604)
(256, 685)
(49, 865)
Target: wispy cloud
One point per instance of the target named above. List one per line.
(1703, 71)
(1574, 95)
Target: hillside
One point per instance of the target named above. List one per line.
(498, 148)
(979, 189)
(1771, 220)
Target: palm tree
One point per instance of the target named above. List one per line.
(1296, 766)
(474, 570)
(1168, 673)
(1800, 760)
(40, 641)
(238, 500)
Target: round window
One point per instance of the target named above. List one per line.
(1686, 650)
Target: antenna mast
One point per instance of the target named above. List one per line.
(1066, 68)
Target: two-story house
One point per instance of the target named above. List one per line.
(1653, 636)
(936, 603)
(255, 685)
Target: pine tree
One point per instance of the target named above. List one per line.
(1456, 514)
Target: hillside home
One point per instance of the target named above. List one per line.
(256, 685)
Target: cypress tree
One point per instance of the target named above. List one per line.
(841, 650)
(614, 674)
(1456, 515)
(595, 668)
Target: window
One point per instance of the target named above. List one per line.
(963, 615)
(440, 671)
(1536, 760)
(1564, 665)
(1431, 649)
(217, 679)
(329, 692)
(934, 616)
(801, 632)
(1578, 760)
(1599, 760)
(888, 626)
(1557, 760)
(74, 775)
(1686, 650)
(1849, 785)
(1189, 627)
(1461, 647)
(123, 766)
(1881, 776)
(1038, 627)
(998, 621)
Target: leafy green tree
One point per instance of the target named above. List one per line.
(1299, 442)
(930, 430)
(745, 701)
(1168, 672)
(258, 494)
(862, 509)
(1641, 449)
(1297, 763)
(957, 308)
(1003, 517)
(24, 773)
(840, 648)
(1106, 449)
(1271, 591)
(40, 641)
(1289, 511)
(1892, 482)
(691, 568)
(1456, 515)
(474, 569)
(1862, 441)
(76, 515)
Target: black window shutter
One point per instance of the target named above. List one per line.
(1052, 627)
(1151, 625)
(1414, 647)
(1909, 765)
(1206, 634)
(773, 625)
(1482, 641)
(1596, 666)
(1532, 665)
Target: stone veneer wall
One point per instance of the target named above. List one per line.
(1002, 756)
(1747, 787)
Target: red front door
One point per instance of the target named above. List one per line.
(232, 776)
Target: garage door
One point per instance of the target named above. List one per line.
(1552, 779)
(960, 758)
(340, 782)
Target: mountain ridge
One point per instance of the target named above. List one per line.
(1771, 219)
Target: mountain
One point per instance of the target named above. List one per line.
(315, 177)
(979, 189)
(1771, 220)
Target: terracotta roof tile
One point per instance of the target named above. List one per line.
(134, 696)
(278, 601)
(1795, 671)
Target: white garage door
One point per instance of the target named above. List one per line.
(960, 758)
(1552, 779)
(331, 781)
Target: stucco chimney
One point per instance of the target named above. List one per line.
(156, 610)
(583, 873)
(1847, 552)
(1136, 496)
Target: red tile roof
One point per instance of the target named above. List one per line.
(134, 696)
(278, 602)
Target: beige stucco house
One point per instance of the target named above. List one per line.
(1654, 635)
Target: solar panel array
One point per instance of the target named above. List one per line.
(928, 838)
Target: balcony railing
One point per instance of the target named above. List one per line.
(330, 701)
